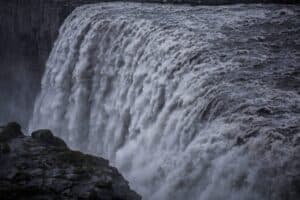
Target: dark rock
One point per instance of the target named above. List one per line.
(14, 126)
(76, 158)
(37, 167)
(296, 184)
(10, 131)
(47, 137)
(43, 134)
(4, 148)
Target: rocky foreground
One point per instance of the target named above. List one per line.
(41, 166)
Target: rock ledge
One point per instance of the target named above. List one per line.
(41, 166)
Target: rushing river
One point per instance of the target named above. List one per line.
(194, 103)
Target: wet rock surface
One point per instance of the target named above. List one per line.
(41, 166)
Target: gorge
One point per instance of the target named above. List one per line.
(188, 102)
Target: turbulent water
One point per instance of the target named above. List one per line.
(188, 102)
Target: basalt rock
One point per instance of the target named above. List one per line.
(47, 137)
(41, 166)
(10, 131)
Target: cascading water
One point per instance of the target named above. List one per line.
(188, 102)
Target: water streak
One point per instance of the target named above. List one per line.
(188, 102)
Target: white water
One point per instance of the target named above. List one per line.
(165, 93)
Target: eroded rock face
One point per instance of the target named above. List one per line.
(43, 167)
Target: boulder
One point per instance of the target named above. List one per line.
(41, 166)
(10, 131)
(46, 136)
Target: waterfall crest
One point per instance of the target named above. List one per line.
(188, 102)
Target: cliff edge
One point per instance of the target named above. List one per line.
(41, 166)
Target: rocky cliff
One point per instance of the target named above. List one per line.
(41, 166)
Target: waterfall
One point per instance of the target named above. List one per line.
(188, 102)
